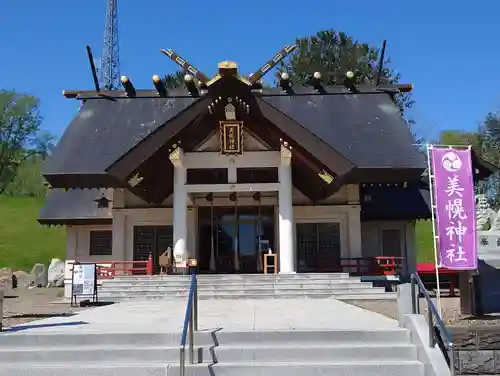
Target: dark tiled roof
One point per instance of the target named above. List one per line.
(73, 206)
(367, 129)
(104, 130)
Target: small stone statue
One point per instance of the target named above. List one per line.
(485, 215)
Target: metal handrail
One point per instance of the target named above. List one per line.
(191, 323)
(433, 317)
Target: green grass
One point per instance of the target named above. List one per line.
(425, 244)
(23, 241)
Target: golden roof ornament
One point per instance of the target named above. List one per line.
(227, 67)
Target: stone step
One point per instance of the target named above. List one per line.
(352, 298)
(68, 369)
(9, 340)
(238, 277)
(366, 368)
(325, 282)
(376, 368)
(220, 354)
(217, 284)
(239, 290)
(353, 295)
(313, 352)
(344, 297)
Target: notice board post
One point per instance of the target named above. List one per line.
(84, 282)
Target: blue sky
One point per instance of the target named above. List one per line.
(449, 50)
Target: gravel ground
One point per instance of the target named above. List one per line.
(25, 305)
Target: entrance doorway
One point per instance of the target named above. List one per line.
(152, 240)
(318, 247)
(230, 238)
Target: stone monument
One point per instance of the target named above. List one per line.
(488, 240)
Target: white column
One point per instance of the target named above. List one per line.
(354, 229)
(285, 211)
(180, 207)
(71, 242)
(191, 233)
(119, 233)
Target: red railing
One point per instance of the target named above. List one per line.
(389, 265)
(380, 265)
(110, 269)
(427, 273)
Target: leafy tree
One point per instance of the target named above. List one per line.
(333, 54)
(486, 144)
(44, 144)
(489, 133)
(174, 80)
(457, 137)
(19, 125)
(28, 180)
(490, 137)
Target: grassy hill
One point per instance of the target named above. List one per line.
(425, 244)
(23, 241)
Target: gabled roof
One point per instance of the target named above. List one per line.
(366, 128)
(347, 135)
(104, 130)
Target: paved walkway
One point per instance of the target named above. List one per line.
(232, 315)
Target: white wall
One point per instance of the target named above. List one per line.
(78, 243)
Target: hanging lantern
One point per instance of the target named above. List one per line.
(102, 202)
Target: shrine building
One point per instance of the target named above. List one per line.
(224, 170)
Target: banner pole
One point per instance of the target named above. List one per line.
(433, 218)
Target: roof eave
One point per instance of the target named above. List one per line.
(74, 221)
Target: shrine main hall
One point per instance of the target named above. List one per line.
(224, 170)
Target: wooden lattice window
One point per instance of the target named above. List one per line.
(101, 243)
(206, 176)
(257, 175)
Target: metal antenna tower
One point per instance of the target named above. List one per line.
(110, 58)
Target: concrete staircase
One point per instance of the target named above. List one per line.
(239, 286)
(218, 353)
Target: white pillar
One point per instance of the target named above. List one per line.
(285, 211)
(354, 228)
(119, 232)
(180, 208)
(71, 243)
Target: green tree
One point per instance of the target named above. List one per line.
(333, 54)
(486, 144)
(174, 80)
(44, 144)
(28, 181)
(458, 137)
(489, 132)
(19, 125)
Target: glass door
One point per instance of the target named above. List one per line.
(232, 236)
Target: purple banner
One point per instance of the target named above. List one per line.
(455, 208)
